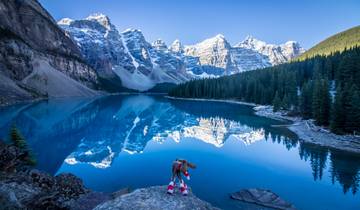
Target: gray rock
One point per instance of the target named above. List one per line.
(88, 201)
(120, 192)
(32, 44)
(154, 198)
(13, 195)
(262, 197)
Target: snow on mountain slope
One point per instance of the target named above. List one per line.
(126, 55)
(247, 59)
(141, 65)
(177, 47)
(277, 54)
(100, 43)
(217, 52)
(213, 52)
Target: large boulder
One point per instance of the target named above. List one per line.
(37, 190)
(153, 198)
(262, 197)
(13, 158)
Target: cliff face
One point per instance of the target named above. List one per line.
(37, 58)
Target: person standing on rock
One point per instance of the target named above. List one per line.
(180, 166)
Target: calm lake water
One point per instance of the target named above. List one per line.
(130, 141)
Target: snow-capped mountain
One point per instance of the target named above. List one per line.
(177, 47)
(159, 45)
(100, 44)
(212, 52)
(277, 54)
(140, 65)
(248, 55)
(127, 55)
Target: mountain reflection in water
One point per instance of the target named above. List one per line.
(96, 131)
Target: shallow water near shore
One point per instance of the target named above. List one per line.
(131, 140)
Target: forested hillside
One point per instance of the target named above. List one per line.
(325, 88)
(337, 43)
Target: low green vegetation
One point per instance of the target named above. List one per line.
(324, 88)
(337, 43)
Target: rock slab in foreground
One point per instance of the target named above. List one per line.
(154, 198)
(262, 197)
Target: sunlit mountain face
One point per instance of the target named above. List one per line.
(132, 140)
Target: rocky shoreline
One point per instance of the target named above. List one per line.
(213, 100)
(306, 130)
(22, 187)
(34, 189)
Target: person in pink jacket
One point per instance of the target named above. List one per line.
(180, 166)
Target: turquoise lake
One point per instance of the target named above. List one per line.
(122, 141)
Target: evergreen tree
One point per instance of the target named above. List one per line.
(18, 140)
(276, 102)
(316, 102)
(325, 103)
(306, 100)
(338, 119)
(353, 119)
(278, 86)
(286, 102)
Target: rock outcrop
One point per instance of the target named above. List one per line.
(37, 58)
(33, 189)
(24, 188)
(155, 198)
(262, 197)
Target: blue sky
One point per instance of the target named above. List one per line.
(276, 21)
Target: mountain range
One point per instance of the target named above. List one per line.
(141, 65)
(42, 58)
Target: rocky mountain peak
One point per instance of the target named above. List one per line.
(93, 24)
(251, 42)
(277, 53)
(159, 45)
(135, 33)
(220, 36)
(176, 47)
(216, 40)
(214, 52)
(131, 57)
(100, 18)
(65, 21)
(292, 49)
(134, 39)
